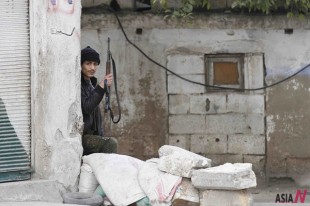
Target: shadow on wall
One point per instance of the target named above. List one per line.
(13, 156)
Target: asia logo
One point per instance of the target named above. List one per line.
(299, 197)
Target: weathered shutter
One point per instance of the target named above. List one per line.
(14, 90)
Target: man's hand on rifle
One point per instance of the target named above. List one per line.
(109, 78)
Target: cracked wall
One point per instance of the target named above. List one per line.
(56, 112)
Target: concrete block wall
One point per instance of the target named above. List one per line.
(223, 126)
(143, 89)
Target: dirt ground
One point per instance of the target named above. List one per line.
(265, 194)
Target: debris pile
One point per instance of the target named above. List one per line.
(178, 177)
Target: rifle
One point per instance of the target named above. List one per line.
(107, 106)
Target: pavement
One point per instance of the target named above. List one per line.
(263, 195)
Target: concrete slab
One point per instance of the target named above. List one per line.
(226, 198)
(180, 162)
(229, 176)
(25, 191)
(34, 204)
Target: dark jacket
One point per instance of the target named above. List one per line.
(91, 97)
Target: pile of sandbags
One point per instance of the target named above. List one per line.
(178, 177)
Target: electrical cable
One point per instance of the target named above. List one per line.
(199, 83)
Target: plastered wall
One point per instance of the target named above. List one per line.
(56, 111)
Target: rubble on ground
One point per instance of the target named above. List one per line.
(229, 176)
(178, 177)
(181, 162)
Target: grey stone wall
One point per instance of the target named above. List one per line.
(267, 128)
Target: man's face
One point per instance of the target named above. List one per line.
(89, 68)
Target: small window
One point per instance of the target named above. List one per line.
(225, 70)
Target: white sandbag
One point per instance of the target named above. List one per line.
(158, 186)
(88, 182)
(118, 176)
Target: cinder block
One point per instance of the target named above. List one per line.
(257, 161)
(182, 141)
(226, 124)
(180, 86)
(258, 164)
(179, 104)
(186, 124)
(219, 159)
(246, 103)
(186, 194)
(177, 161)
(235, 124)
(225, 198)
(186, 64)
(209, 144)
(254, 72)
(208, 104)
(246, 144)
(256, 123)
(229, 176)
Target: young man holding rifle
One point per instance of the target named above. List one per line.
(91, 95)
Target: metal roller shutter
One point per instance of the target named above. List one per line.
(14, 90)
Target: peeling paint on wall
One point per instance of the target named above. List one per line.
(270, 126)
(64, 6)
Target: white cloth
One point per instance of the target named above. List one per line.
(118, 176)
(158, 186)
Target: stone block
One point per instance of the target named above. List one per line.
(26, 191)
(182, 141)
(246, 144)
(258, 164)
(229, 176)
(209, 144)
(186, 64)
(226, 124)
(208, 104)
(254, 71)
(246, 103)
(180, 86)
(186, 194)
(186, 124)
(179, 104)
(219, 159)
(178, 161)
(256, 123)
(225, 198)
(235, 124)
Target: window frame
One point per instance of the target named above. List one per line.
(209, 69)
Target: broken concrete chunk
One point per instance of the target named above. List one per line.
(225, 198)
(186, 194)
(227, 177)
(178, 161)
